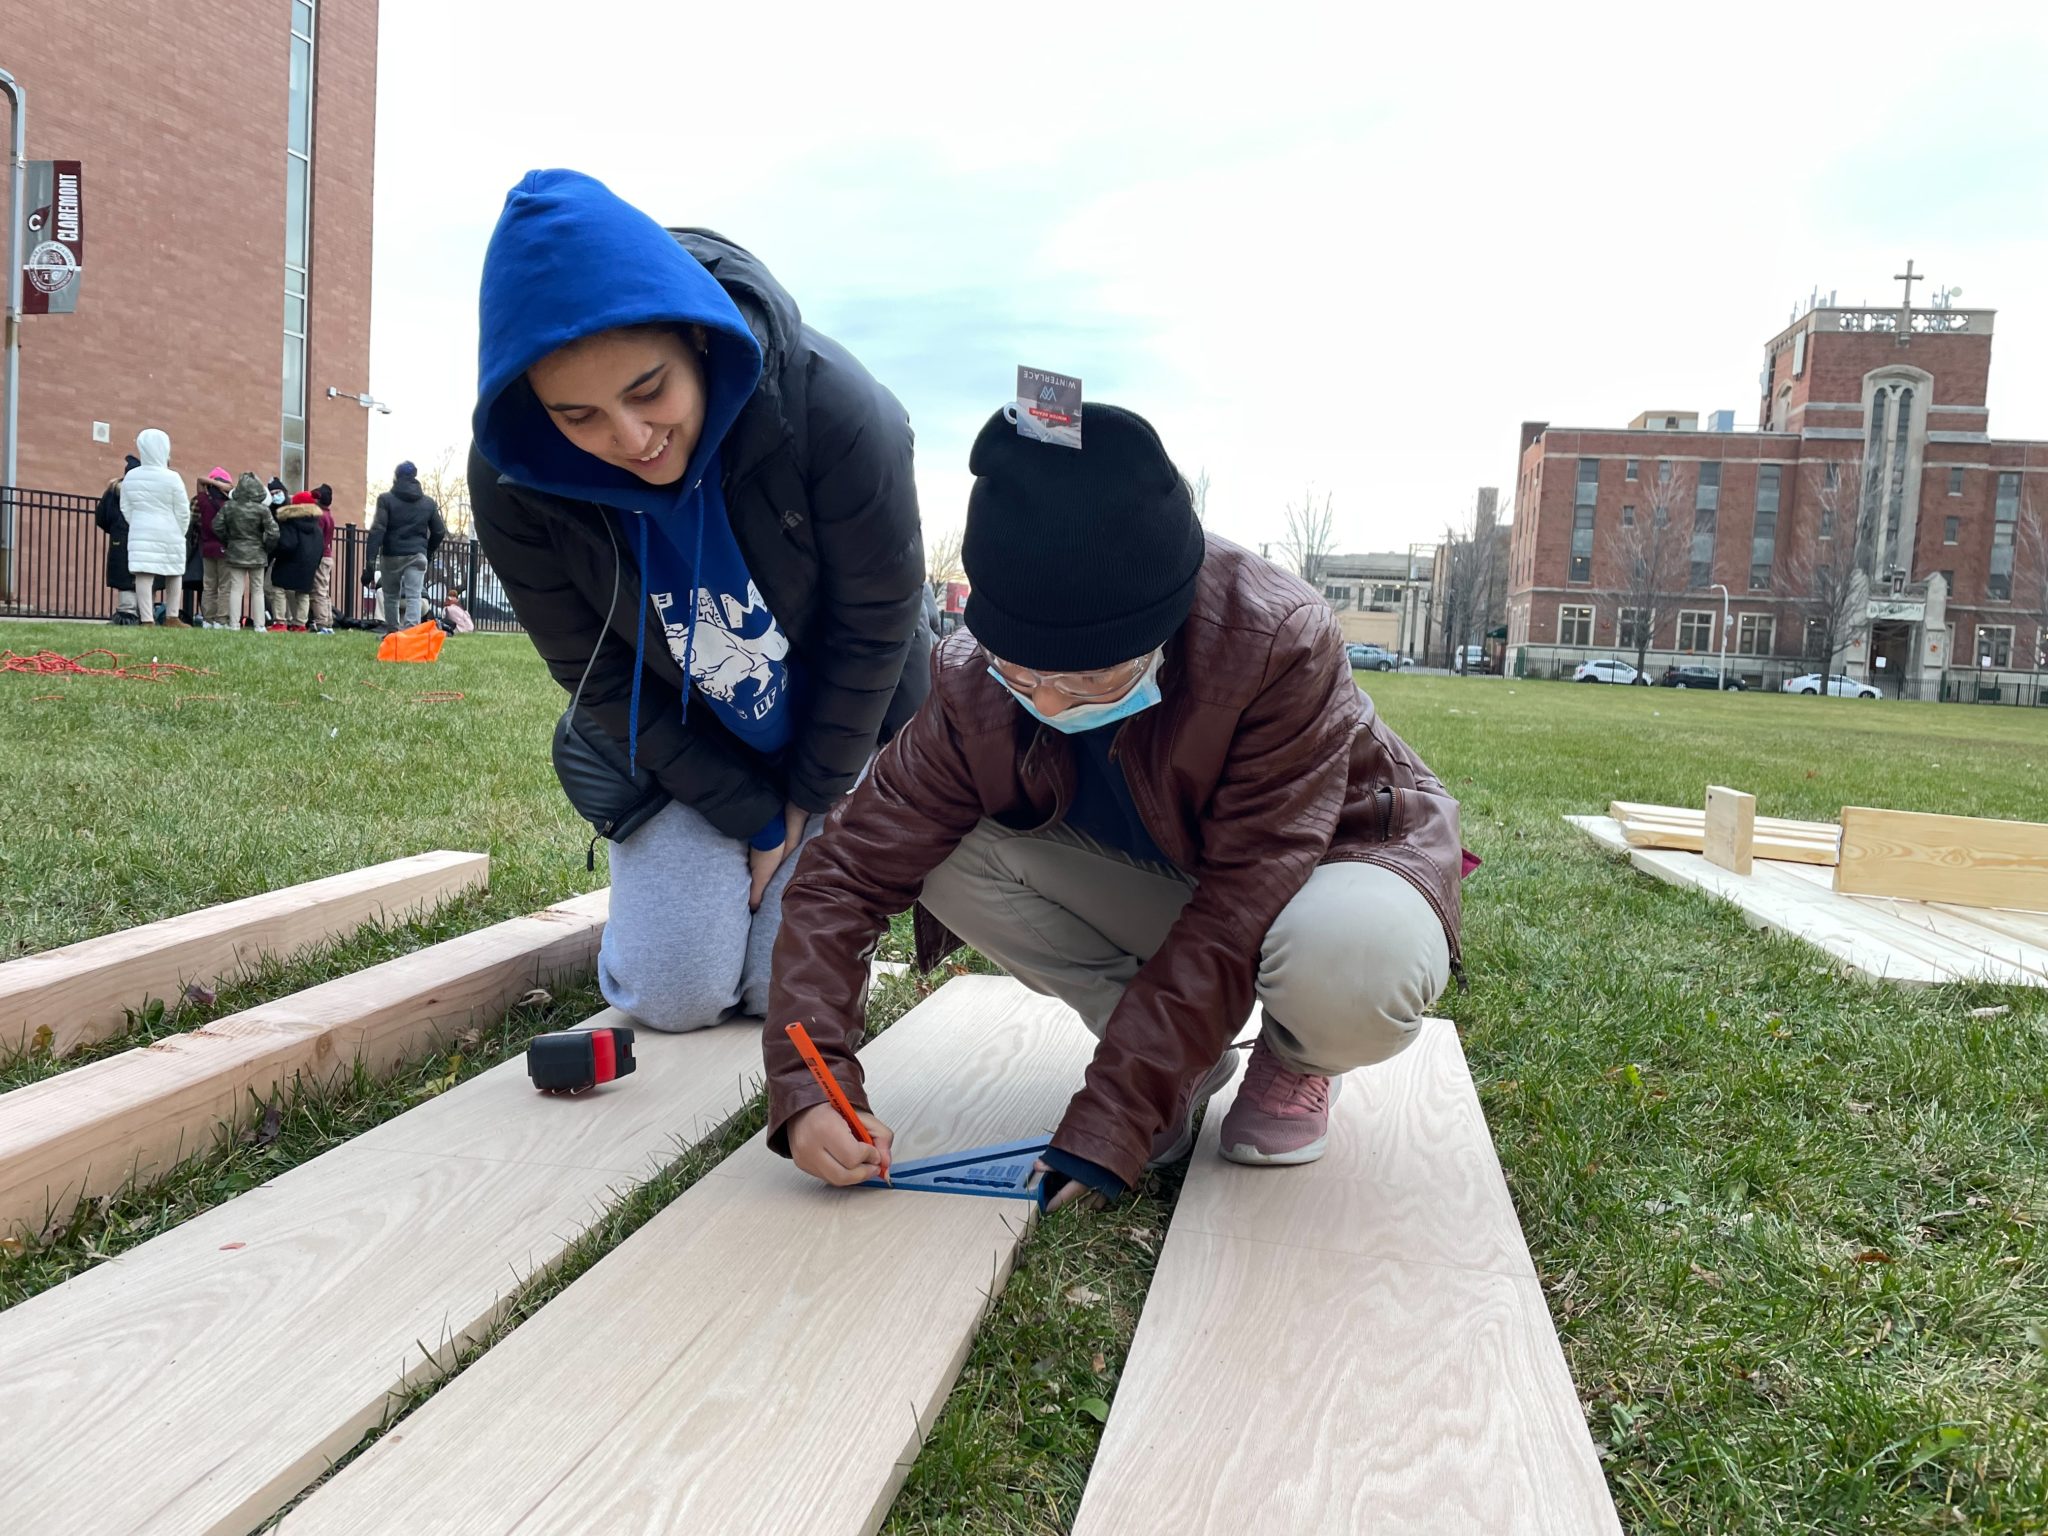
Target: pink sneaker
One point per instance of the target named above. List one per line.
(1279, 1117)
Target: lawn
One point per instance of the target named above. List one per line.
(1789, 1224)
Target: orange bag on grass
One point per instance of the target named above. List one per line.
(420, 643)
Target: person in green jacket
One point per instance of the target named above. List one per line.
(247, 528)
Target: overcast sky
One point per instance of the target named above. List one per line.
(1320, 247)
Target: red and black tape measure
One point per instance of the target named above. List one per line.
(574, 1059)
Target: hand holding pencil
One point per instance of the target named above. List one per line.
(833, 1141)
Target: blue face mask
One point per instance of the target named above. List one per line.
(1076, 718)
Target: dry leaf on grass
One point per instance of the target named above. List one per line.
(264, 1132)
(200, 993)
(1997, 1012)
(1083, 1296)
(539, 997)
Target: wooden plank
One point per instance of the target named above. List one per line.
(1967, 861)
(1730, 829)
(132, 1117)
(82, 992)
(763, 1357)
(1694, 840)
(1627, 811)
(1361, 1344)
(227, 1363)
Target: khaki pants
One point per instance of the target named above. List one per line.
(144, 596)
(323, 589)
(291, 607)
(1345, 973)
(240, 576)
(213, 596)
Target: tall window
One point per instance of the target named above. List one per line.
(1955, 482)
(1574, 625)
(1705, 512)
(1763, 542)
(1951, 529)
(1628, 517)
(298, 239)
(1631, 470)
(2005, 522)
(1696, 630)
(1754, 633)
(1630, 625)
(1583, 504)
(1663, 471)
(1994, 645)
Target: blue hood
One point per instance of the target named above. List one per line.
(570, 258)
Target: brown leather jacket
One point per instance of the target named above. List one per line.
(1262, 760)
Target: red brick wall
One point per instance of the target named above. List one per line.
(338, 343)
(178, 113)
(1836, 362)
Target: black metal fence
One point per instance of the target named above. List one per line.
(53, 565)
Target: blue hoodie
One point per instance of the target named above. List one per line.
(569, 258)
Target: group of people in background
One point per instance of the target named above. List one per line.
(240, 553)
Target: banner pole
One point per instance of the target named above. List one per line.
(17, 176)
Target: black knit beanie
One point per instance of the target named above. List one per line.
(324, 494)
(1078, 558)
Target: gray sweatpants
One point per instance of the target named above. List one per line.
(401, 578)
(1345, 973)
(681, 950)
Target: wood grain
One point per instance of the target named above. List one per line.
(1730, 829)
(1626, 811)
(1967, 861)
(227, 1362)
(82, 992)
(763, 1357)
(1312, 1361)
(131, 1117)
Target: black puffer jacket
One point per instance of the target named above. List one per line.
(298, 546)
(816, 474)
(408, 523)
(115, 526)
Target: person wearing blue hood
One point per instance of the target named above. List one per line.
(704, 515)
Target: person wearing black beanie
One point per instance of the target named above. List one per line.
(1145, 782)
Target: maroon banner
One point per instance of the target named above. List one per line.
(53, 235)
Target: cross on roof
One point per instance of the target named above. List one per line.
(1909, 277)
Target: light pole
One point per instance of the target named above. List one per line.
(1722, 685)
(367, 402)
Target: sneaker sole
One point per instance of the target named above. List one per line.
(1252, 1157)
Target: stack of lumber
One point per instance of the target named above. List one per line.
(84, 992)
(133, 1116)
(1681, 827)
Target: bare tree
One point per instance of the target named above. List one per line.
(1472, 583)
(2030, 571)
(447, 481)
(1198, 494)
(942, 562)
(1830, 574)
(1307, 545)
(1653, 559)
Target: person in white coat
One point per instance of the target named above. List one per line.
(153, 502)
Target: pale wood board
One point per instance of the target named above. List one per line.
(1694, 840)
(1635, 810)
(1331, 1348)
(225, 1364)
(1861, 936)
(2018, 938)
(1730, 829)
(761, 1359)
(131, 1117)
(1967, 861)
(82, 992)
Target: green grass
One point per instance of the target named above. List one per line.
(1789, 1224)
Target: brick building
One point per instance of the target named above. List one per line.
(1870, 514)
(227, 152)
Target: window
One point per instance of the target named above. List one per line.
(1337, 593)
(2005, 521)
(1628, 626)
(1589, 482)
(298, 239)
(1631, 470)
(1574, 625)
(1582, 544)
(1955, 482)
(1816, 638)
(1628, 517)
(1951, 529)
(1754, 633)
(1705, 512)
(1833, 478)
(1763, 540)
(1696, 630)
(1948, 579)
(1994, 645)
(1663, 471)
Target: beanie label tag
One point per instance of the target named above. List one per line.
(1048, 407)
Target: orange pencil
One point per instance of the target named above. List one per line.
(834, 1094)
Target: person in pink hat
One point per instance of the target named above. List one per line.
(206, 504)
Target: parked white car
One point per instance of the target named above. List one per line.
(1605, 669)
(1839, 686)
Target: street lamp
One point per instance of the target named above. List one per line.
(1722, 685)
(367, 402)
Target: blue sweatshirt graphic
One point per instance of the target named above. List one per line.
(568, 259)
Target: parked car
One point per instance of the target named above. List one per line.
(1469, 658)
(1837, 685)
(1366, 657)
(1605, 669)
(1699, 677)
